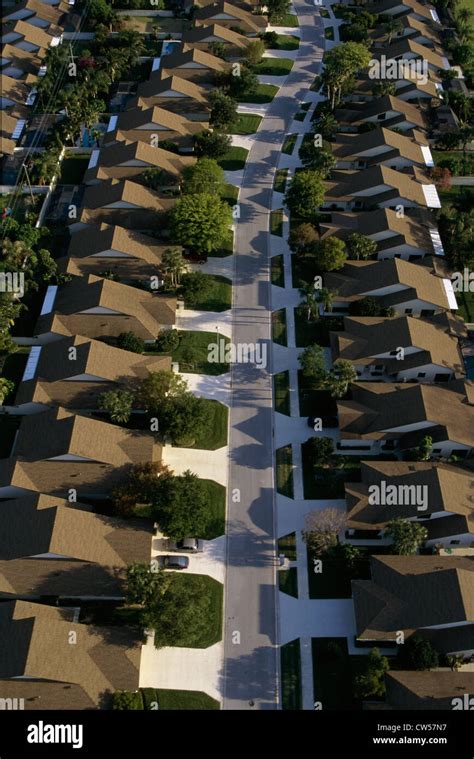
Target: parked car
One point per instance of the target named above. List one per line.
(193, 257)
(189, 545)
(175, 562)
(326, 421)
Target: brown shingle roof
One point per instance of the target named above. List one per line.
(248, 21)
(30, 33)
(36, 8)
(125, 191)
(189, 57)
(215, 32)
(118, 161)
(24, 60)
(348, 146)
(158, 86)
(427, 690)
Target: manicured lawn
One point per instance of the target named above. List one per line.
(178, 699)
(231, 193)
(12, 366)
(288, 581)
(218, 299)
(289, 19)
(73, 169)
(193, 350)
(281, 391)
(286, 42)
(291, 675)
(247, 123)
(234, 159)
(280, 180)
(279, 327)
(466, 306)
(8, 428)
(276, 222)
(333, 672)
(216, 434)
(263, 93)
(208, 588)
(289, 144)
(228, 245)
(216, 499)
(329, 33)
(287, 545)
(277, 271)
(455, 194)
(465, 164)
(273, 66)
(284, 471)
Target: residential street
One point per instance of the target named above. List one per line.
(251, 664)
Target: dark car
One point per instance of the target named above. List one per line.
(175, 562)
(326, 421)
(193, 257)
(189, 545)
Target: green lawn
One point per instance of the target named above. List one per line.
(277, 271)
(466, 306)
(231, 194)
(280, 180)
(213, 592)
(73, 169)
(247, 123)
(263, 93)
(281, 392)
(193, 350)
(463, 164)
(279, 334)
(287, 42)
(284, 471)
(329, 33)
(12, 366)
(273, 66)
(289, 144)
(287, 545)
(291, 675)
(8, 429)
(276, 222)
(288, 581)
(234, 159)
(216, 435)
(289, 19)
(178, 699)
(219, 297)
(228, 245)
(216, 494)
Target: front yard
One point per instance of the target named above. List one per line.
(216, 435)
(193, 350)
(291, 695)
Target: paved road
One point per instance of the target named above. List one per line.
(251, 666)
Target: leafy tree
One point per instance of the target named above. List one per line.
(313, 364)
(181, 507)
(254, 52)
(385, 87)
(360, 247)
(158, 388)
(371, 682)
(325, 297)
(321, 450)
(422, 452)
(218, 49)
(391, 27)
(124, 700)
(341, 63)
(418, 653)
(330, 254)
(407, 536)
(140, 486)
(277, 9)
(6, 387)
(118, 404)
(326, 125)
(318, 159)
(223, 110)
(243, 82)
(205, 176)
(369, 306)
(340, 377)
(305, 194)
(156, 178)
(168, 340)
(195, 287)
(173, 265)
(302, 238)
(201, 221)
(180, 610)
(129, 341)
(145, 583)
(322, 527)
(270, 39)
(185, 418)
(212, 144)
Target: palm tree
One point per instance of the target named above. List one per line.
(325, 298)
(310, 302)
(173, 265)
(392, 27)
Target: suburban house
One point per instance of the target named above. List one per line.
(39, 663)
(385, 417)
(409, 86)
(101, 308)
(402, 349)
(16, 94)
(438, 495)
(74, 371)
(29, 37)
(128, 160)
(413, 29)
(141, 123)
(108, 248)
(50, 547)
(379, 187)
(193, 64)
(64, 454)
(383, 147)
(35, 12)
(389, 110)
(178, 95)
(406, 49)
(431, 596)
(409, 288)
(420, 11)
(410, 237)
(201, 38)
(230, 15)
(17, 63)
(427, 690)
(124, 203)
